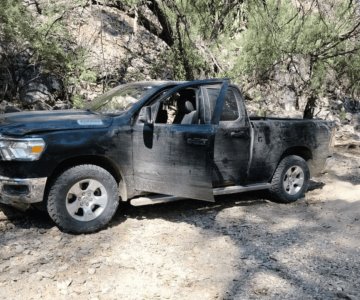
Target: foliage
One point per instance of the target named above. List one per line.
(314, 43)
(44, 46)
(78, 101)
(317, 43)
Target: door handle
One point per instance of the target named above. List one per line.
(238, 134)
(197, 141)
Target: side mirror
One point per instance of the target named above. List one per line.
(145, 115)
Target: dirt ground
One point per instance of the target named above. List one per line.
(241, 247)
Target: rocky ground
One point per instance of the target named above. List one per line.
(241, 247)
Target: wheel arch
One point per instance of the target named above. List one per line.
(96, 160)
(302, 151)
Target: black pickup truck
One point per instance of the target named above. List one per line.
(151, 142)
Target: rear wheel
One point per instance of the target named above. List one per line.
(83, 199)
(291, 179)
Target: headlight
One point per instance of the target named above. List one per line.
(21, 149)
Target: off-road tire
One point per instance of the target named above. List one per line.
(277, 191)
(58, 193)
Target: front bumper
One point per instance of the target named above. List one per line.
(21, 192)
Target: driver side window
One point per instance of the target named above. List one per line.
(179, 108)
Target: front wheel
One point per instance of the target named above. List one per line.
(290, 180)
(83, 199)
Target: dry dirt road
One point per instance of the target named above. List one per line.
(241, 247)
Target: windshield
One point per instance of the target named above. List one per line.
(120, 99)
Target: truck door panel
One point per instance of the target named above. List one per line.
(174, 159)
(232, 142)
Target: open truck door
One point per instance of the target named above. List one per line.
(173, 150)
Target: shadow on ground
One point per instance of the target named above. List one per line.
(295, 251)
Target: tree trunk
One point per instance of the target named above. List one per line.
(310, 107)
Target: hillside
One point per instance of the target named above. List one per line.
(297, 58)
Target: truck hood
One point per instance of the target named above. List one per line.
(23, 123)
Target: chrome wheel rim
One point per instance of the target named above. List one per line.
(293, 180)
(86, 200)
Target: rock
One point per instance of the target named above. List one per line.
(35, 92)
(4, 268)
(348, 117)
(339, 102)
(64, 292)
(58, 238)
(43, 274)
(96, 260)
(106, 290)
(131, 70)
(41, 106)
(63, 268)
(61, 105)
(62, 285)
(32, 270)
(19, 249)
(91, 271)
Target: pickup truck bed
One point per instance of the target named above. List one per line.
(275, 138)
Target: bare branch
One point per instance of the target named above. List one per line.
(341, 53)
(37, 6)
(350, 34)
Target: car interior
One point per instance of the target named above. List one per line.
(188, 106)
(179, 108)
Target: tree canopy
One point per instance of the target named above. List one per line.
(314, 44)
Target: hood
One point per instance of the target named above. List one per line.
(23, 123)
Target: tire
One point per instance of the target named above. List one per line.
(83, 199)
(290, 180)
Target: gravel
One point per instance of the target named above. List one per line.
(240, 247)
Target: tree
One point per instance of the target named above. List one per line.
(31, 49)
(315, 43)
(189, 28)
(318, 43)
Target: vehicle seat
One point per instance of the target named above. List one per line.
(190, 114)
(162, 116)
